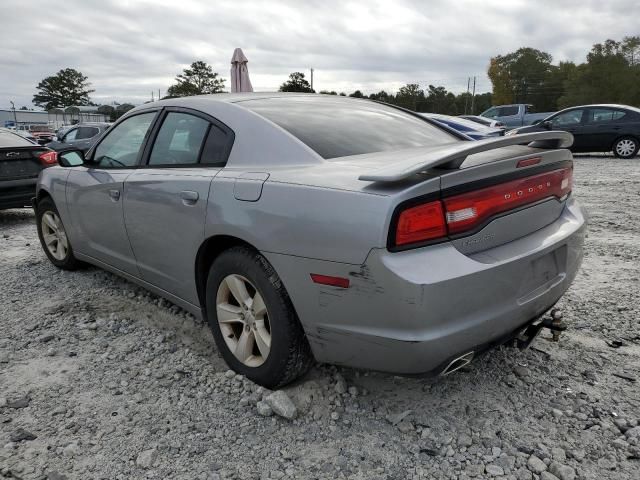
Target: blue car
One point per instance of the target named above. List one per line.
(468, 127)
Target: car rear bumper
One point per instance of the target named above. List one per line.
(17, 193)
(412, 312)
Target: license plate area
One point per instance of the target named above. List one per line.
(543, 273)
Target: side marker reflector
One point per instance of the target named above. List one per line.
(329, 280)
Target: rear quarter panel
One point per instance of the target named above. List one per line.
(300, 220)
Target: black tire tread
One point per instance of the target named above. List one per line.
(299, 358)
(626, 137)
(69, 263)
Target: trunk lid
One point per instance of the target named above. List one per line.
(20, 162)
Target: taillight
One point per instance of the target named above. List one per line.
(454, 215)
(48, 159)
(469, 210)
(421, 223)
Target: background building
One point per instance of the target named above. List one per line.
(55, 118)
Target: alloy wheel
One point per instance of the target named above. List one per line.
(243, 320)
(55, 238)
(625, 147)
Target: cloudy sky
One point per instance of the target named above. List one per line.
(128, 48)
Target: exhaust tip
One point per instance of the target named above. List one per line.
(458, 363)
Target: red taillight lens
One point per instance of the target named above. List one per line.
(469, 210)
(421, 223)
(464, 212)
(48, 159)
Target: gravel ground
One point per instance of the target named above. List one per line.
(101, 379)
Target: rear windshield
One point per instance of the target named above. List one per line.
(343, 127)
(9, 139)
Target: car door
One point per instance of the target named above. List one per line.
(572, 121)
(94, 193)
(165, 202)
(603, 125)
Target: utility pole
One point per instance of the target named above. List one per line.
(152, 99)
(312, 79)
(15, 118)
(473, 95)
(158, 94)
(466, 99)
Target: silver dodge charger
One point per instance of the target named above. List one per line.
(315, 227)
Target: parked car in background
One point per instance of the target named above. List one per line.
(42, 133)
(80, 136)
(313, 226)
(515, 115)
(26, 134)
(595, 128)
(473, 129)
(21, 161)
(487, 122)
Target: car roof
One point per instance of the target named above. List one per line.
(605, 105)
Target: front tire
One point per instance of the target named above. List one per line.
(53, 236)
(253, 320)
(626, 147)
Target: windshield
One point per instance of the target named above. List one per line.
(342, 127)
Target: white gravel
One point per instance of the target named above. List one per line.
(99, 379)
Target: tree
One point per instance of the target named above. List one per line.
(611, 74)
(382, 96)
(296, 83)
(66, 88)
(410, 96)
(108, 111)
(521, 77)
(198, 79)
(357, 94)
(327, 92)
(23, 108)
(122, 109)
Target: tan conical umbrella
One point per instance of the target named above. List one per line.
(240, 73)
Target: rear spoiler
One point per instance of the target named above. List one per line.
(452, 156)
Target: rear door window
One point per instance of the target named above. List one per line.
(339, 128)
(86, 132)
(180, 140)
(605, 115)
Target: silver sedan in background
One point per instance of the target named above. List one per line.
(310, 227)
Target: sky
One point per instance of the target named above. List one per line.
(130, 48)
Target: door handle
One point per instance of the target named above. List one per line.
(189, 197)
(115, 195)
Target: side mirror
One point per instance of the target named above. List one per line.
(71, 158)
(547, 124)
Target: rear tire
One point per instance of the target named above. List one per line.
(253, 320)
(626, 147)
(53, 236)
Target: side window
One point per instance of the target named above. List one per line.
(86, 132)
(215, 148)
(122, 144)
(179, 140)
(603, 115)
(508, 111)
(566, 119)
(491, 113)
(71, 135)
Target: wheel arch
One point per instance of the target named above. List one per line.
(620, 137)
(43, 193)
(208, 251)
